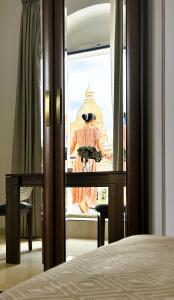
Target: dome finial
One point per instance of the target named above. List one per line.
(89, 87)
(89, 93)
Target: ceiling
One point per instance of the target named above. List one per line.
(87, 24)
(74, 5)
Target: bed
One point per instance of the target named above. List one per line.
(138, 267)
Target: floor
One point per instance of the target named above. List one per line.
(31, 262)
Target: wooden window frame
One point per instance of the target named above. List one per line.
(137, 108)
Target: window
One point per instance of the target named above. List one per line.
(89, 90)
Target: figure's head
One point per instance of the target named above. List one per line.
(89, 118)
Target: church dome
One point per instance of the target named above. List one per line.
(90, 105)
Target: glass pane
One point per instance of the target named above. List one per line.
(91, 95)
(87, 73)
(91, 195)
(82, 226)
(90, 80)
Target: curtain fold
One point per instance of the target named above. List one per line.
(117, 81)
(26, 155)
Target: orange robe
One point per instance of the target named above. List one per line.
(87, 136)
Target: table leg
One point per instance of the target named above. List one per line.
(12, 220)
(115, 213)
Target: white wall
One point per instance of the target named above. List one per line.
(161, 120)
(10, 11)
(155, 100)
(169, 115)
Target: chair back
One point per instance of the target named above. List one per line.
(25, 193)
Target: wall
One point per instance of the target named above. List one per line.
(10, 11)
(169, 115)
(161, 107)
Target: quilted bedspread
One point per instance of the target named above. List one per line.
(138, 267)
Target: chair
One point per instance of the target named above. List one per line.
(102, 209)
(25, 208)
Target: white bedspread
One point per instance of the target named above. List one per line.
(138, 267)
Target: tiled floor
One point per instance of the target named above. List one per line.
(31, 262)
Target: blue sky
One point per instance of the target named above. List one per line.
(93, 67)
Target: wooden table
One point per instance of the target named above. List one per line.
(13, 184)
(115, 181)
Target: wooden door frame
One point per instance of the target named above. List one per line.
(59, 132)
(137, 189)
(54, 181)
(48, 168)
(137, 108)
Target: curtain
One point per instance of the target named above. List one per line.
(26, 155)
(117, 81)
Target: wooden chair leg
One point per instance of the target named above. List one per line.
(30, 225)
(42, 235)
(98, 232)
(102, 229)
